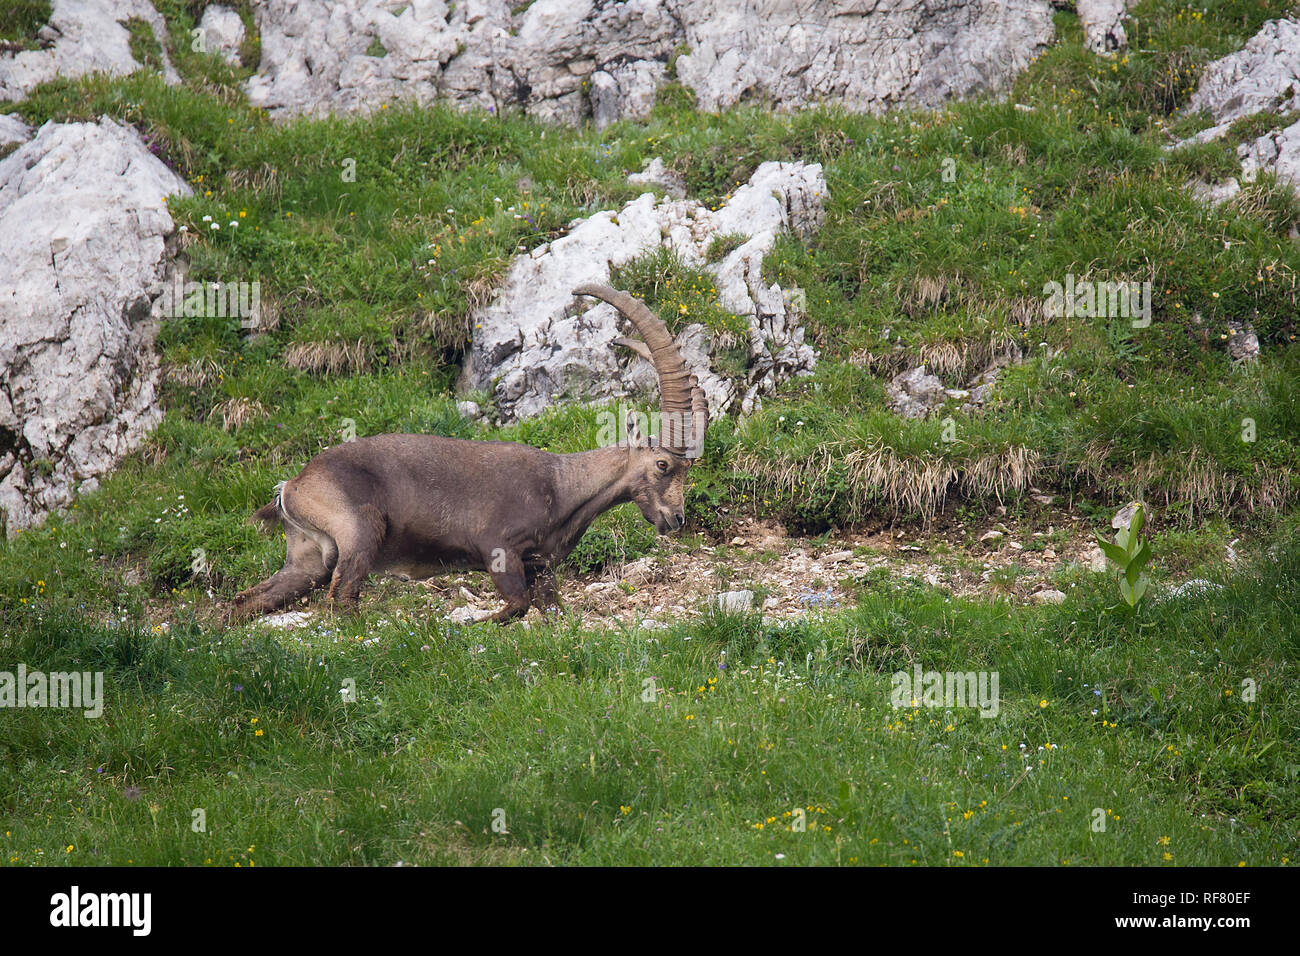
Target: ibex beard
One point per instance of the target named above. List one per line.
(415, 505)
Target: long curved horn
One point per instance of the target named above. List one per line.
(684, 410)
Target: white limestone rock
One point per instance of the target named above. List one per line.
(84, 36)
(914, 393)
(568, 60)
(1103, 24)
(1264, 76)
(222, 31)
(86, 257)
(1277, 151)
(535, 344)
(13, 130)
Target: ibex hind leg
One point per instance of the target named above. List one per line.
(305, 568)
(511, 581)
(359, 539)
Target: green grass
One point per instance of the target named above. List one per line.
(21, 20)
(368, 285)
(1140, 716)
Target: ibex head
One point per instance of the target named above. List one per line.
(657, 469)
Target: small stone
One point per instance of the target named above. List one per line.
(469, 409)
(287, 620)
(639, 572)
(1193, 587)
(992, 537)
(1094, 559)
(1048, 596)
(468, 615)
(732, 602)
(914, 393)
(1124, 516)
(222, 31)
(656, 174)
(1243, 343)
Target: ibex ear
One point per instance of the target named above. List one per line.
(635, 437)
(640, 348)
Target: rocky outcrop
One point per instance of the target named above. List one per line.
(659, 176)
(222, 31)
(915, 392)
(535, 344)
(1277, 151)
(567, 60)
(83, 36)
(1263, 77)
(868, 56)
(1103, 24)
(86, 254)
(13, 130)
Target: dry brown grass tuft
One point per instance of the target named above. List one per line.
(235, 413)
(197, 373)
(884, 364)
(929, 291)
(877, 475)
(261, 179)
(448, 329)
(1025, 310)
(480, 289)
(1195, 480)
(956, 362)
(1015, 155)
(330, 357)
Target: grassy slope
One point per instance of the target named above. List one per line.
(548, 723)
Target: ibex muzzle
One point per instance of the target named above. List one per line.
(414, 505)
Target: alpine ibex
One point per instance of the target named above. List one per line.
(418, 504)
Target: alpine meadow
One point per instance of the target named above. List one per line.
(857, 469)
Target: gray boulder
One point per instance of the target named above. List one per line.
(1264, 76)
(86, 256)
(535, 344)
(13, 130)
(566, 60)
(1103, 24)
(83, 36)
(222, 31)
(914, 393)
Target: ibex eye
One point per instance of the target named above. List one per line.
(663, 465)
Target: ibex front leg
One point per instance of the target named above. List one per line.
(543, 589)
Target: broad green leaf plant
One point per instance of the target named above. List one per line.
(1129, 552)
